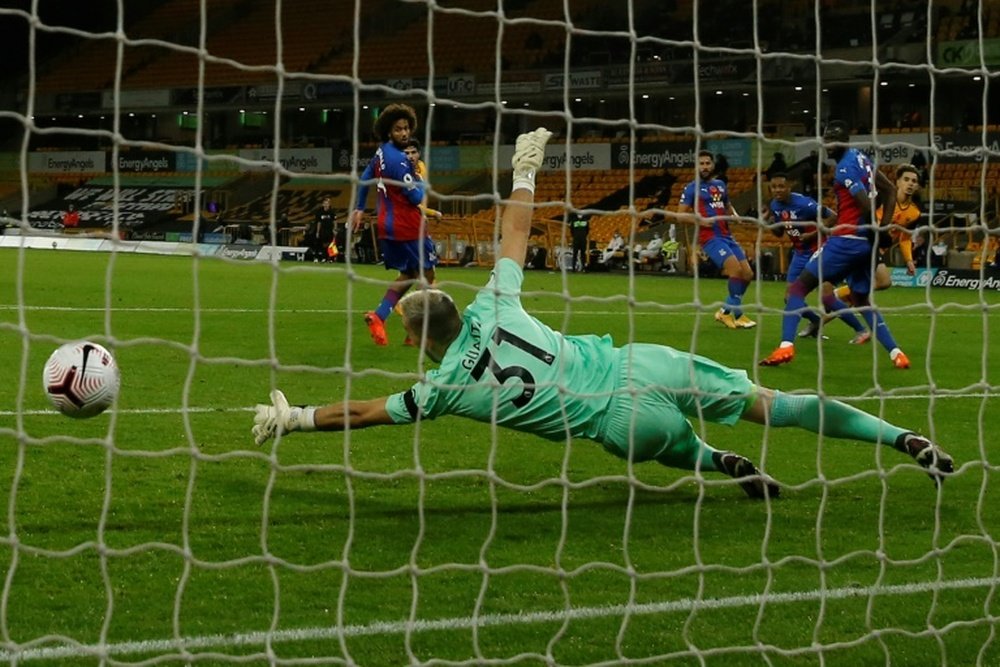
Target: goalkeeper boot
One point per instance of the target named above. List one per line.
(376, 327)
(938, 463)
(781, 355)
(529, 153)
(900, 360)
(753, 482)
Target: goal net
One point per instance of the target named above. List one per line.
(178, 182)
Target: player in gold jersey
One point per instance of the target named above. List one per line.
(412, 152)
(904, 218)
(907, 213)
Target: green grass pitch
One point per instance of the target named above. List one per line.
(159, 531)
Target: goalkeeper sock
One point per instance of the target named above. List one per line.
(839, 420)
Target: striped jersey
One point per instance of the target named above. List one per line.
(400, 194)
(853, 174)
(798, 216)
(711, 200)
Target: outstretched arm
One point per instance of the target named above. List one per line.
(359, 414)
(515, 223)
(364, 183)
(829, 220)
(906, 249)
(685, 214)
(358, 214)
(768, 220)
(279, 416)
(430, 212)
(886, 198)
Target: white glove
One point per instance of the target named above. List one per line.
(279, 417)
(529, 153)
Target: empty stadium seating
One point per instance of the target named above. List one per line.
(243, 40)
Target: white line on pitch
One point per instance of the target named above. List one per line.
(136, 411)
(198, 410)
(687, 605)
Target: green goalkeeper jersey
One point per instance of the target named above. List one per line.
(507, 367)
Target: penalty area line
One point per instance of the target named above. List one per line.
(163, 646)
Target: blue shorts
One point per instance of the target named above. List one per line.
(842, 259)
(719, 248)
(405, 256)
(799, 261)
(863, 285)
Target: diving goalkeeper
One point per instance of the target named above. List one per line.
(498, 363)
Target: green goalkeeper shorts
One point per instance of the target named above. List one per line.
(659, 390)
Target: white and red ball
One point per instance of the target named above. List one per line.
(81, 379)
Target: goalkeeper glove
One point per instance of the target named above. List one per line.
(269, 420)
(529, 153)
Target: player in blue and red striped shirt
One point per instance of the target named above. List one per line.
(708, 200)
(860, 189)
(402, 230)
(796, 215)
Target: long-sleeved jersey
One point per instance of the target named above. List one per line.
(400, 194)
(854, 173)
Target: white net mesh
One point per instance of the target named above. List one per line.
(192, 135)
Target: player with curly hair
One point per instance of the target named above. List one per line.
(401, 228)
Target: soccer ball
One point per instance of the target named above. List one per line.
(81, 379)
